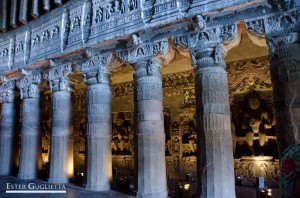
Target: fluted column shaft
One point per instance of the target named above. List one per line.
(149, 121)
(8, 127)
(30, 134)
(285, 59)
(61, 157)
(214, 156)
(99, 132)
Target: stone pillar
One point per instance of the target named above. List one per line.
(99, 131)
(150, 134)
(214, 140)
(285, 75)
(31, 122)
(8, 127)
(61, 157)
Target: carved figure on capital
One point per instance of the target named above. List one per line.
(206, 44)
(8, 92)
(256, 27)
(96, 60)
(58, 77)
(30, 86)
(145, 51)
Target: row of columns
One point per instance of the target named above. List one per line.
(215, 157)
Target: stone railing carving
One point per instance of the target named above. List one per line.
(253, 167)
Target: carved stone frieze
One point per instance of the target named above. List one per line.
(87, 17)
(282, 22)
(253, 167)
(79, 24)
(251, 74)
(284, 5)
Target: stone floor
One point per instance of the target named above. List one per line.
(72, 191)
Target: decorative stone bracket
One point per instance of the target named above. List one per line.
(29, 86)
(159, 50)
(58, 78)
(96, 68)
(7, 92)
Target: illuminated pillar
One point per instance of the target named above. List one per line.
(99, 159)
(61, 152)
(31, 122)
(285, 58)
(214, 140)
(8, 127)
(149, 119)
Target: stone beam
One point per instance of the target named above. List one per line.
(76, 25)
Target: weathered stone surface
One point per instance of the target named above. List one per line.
(215, 157)
(8, 127)
(30, 155)
(285, 60)
(99, 159)
(151, 165)
(61, 142)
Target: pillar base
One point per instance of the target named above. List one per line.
(58, 181)
(97, 188)
(26, 177)
(152, 194)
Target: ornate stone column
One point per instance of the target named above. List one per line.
(99, 120)
(31, 122)
(281, 30)
(149, 120)
(61, 153)
(214, 139)
(285, 75)
(8, 126)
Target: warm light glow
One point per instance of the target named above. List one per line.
(186, 187)
(70, 160)
(45, 157)
(269, 192)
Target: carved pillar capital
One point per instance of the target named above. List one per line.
(284, 46)
(8, 92)
(30, 86)
(208, 56)
(96, 68)
(147, 68)
(157, 50)
(207, 44)
(285, 74)
(58, 78)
